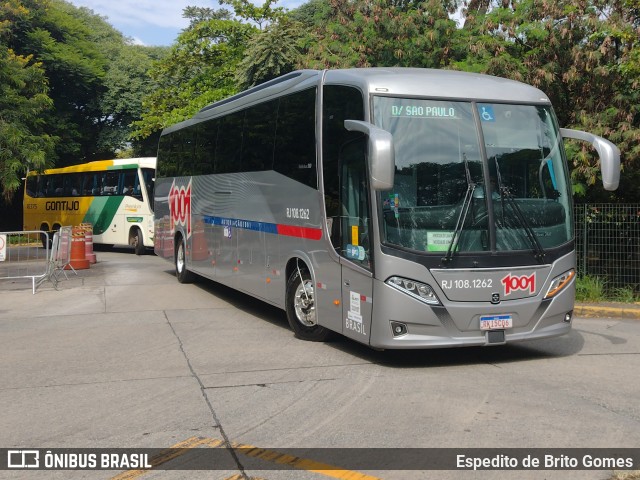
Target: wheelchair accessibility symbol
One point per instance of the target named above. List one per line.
(486, 113)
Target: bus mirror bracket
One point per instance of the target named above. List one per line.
(608, 152)
(381, 153)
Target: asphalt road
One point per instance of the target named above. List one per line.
(123, 356)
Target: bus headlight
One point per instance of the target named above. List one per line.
(421, 291)
(558, 283)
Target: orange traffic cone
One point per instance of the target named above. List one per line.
(78, 259)
(88, 242)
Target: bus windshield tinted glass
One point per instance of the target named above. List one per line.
(440, 197)
(526, 162)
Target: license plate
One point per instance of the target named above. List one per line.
(496, 322)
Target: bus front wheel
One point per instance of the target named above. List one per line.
(184, 275)
(301, 308)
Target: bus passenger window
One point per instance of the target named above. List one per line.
(129, 182)
(32, 186)
(259, 134)
(295, 144)
(73, 184)
(110, 183)
(229, 144)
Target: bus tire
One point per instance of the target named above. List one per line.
(301, 309)
(180, 260)
(47, 240)
(137, 241)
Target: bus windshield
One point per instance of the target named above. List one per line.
(491, 176)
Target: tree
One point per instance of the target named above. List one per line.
(74, 66)
(199, 69)
(24, 145)
(260, 15)
(365, 33)
(127, 82)
(201, 14)
(583, 55)
(95, 95)
(270, 53)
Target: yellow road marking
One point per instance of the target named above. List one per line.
(299, 463)
(271, 456)
(166, 455)
(239, 476)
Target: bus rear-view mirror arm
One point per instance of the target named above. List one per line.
(380, 153)
(609, 155)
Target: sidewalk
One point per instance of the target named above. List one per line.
(608, 310)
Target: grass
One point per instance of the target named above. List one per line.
(624, 294)
(590, 289)
(29, 239)
(594, 289)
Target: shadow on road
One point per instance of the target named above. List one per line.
(563, 346)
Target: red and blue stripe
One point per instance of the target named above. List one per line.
(296, 231)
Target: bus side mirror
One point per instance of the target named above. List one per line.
(381, 155)
(609, 155)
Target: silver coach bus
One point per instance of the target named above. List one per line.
(403, 208)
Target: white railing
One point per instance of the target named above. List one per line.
(29, 255)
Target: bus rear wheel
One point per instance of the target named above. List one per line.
(301, 308)
(184, 275)
(46, 239)
(136, 241)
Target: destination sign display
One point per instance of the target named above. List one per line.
(422, 111)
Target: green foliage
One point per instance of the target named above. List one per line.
(624, 294)
(23, 99)
(590, 289)
(95, 77)
(260, 15)
(74, 66)
(127, 83)
(274, 51)
(80, 88)
(584, 55)
(312, 14)
(594, 289)
(379, 33)
(199, 69)
(201, 14)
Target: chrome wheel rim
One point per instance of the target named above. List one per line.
(180, 258)
(304, 304)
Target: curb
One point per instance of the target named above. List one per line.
(631, 311)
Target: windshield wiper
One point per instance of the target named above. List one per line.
(505, 194)
(466, 204)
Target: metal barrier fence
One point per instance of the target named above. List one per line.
(25, 255)
(30, 255)
(608, 243)
(607, 246)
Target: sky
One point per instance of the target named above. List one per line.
(153, 22)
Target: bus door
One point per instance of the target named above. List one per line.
(356, 261)
(112, 216)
